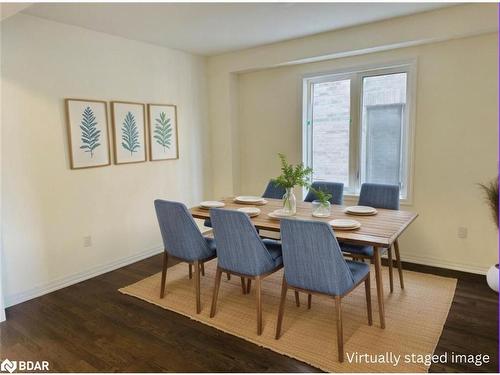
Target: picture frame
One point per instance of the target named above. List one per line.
(129, 132)
(88, 136)
(163, 132)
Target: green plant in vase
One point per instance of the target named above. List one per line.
(491, 197)
(292, 176)
(321, 205)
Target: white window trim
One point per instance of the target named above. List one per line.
(409, 66)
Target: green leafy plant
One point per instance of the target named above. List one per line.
(291, 175)
(322, 196)
(90, 133)
(491, 196)
(163, 131)
(130, 134)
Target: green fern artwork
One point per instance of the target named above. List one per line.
(90, 133)
(163, 131)
(130, 134)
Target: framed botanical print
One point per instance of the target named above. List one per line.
(162, 129)
(88, 139)
(129, 132)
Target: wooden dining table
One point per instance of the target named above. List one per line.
(379, 231)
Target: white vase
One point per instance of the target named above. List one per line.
(492, 277)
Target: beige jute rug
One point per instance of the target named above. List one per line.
(415, 318)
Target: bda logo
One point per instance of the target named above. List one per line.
(9, 366)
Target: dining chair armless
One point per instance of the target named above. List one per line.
(378, 196)
(336, 189)
(313, 263)
(240, 251)
(273, 191)
(183, 240)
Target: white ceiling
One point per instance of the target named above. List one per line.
(213, 28)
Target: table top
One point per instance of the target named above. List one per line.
(379, 230)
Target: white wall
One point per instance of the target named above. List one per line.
(456, 129)
(455, 141)
(48, 208)
(423, 28)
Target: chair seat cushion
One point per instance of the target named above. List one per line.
(358, 269)
(274, 248)
(357, 249)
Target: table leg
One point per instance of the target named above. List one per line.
(380, 286)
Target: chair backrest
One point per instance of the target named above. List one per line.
(312, 257)
(273, 192)
(336, 189)
(379, 195)
(239, 247)
(181, 236)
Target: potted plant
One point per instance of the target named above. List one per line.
(290, 177)
(491, 197)
(321, 205)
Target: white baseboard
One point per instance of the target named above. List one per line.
(428, 261)
(63, 282)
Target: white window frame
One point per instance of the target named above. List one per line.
(356, 75)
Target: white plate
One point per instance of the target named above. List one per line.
(344, 224)
(211, 204)
(250, 211)
(361, 210)
(248, 199)
(278, 214)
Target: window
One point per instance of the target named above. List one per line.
(356, 127)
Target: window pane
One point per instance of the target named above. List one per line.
(384, 100)
(330, 132)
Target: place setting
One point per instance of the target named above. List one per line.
(211, 204)
(361, 210)
(249, 199)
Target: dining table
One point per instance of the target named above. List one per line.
(379, 231)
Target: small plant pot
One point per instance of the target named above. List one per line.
(492, 277)
(320, 209)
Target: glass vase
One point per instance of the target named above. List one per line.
(289, 203)
(320, 209)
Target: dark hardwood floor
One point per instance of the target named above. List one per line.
(91, 327)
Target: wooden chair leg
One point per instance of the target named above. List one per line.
(368, 300)
(243, 286)
(258, 290)
(190, 271)
(228, 276)
(309, 300)
(380, 286)
(218, 276)
(391, 277)
(297, 299)
(197, 285)
(202, 269)
(281, 311)
(249, 283)
(164, 274)
(398, 261)
(340, 333)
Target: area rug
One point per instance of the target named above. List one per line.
(415, 318)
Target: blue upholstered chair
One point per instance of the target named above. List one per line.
(242, 252)
(182, 240)
(379, 196)
(336, 189)
(314, 264)
(272, 192)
